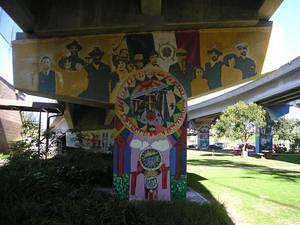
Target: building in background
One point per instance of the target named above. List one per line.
(10, 120)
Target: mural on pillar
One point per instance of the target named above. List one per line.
(93, 67)
(150, 137)
(203, 125)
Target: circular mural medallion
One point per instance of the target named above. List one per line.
(151, 182)
(151, 103)
(150, 159)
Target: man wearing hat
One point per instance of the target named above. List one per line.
(101, 80)
(212, 69)
(182, 70)
(152, 64)
(244, 63)
(74, 47)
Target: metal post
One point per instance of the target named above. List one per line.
(39, 135)
(47, 135)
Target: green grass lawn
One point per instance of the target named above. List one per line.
(252, 192)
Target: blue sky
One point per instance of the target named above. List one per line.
(283, 47)
(284, 44)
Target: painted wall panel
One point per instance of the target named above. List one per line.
(94, 67)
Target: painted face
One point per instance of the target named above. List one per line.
(213, 56)
(97, 59)
(199, 72)
(121, 66)
(153, 59)
(74, 50)
(131, 67)
(244, 51)
(67, 64)
(45, 63)
(231, 62)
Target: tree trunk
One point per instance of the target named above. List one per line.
(244, 151)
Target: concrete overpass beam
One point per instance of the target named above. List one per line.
(267, 8)
(151, 7)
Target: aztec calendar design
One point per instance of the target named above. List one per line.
(151, 103)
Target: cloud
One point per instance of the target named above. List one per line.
(135, 143)
(138, 144)
(161, 145)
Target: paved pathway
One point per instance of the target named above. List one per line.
(247, 167)
(195, 196)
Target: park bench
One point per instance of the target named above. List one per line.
(265, 154)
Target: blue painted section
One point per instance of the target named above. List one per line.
(278, 111)
(172, 161)
(264, 142)
(115, 157)
(126, 158)
(257, 141)
(183, 162)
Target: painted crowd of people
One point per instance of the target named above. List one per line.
(231, 69)
(91, 78)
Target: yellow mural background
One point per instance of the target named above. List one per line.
(226, 40)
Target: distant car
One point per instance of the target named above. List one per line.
(215, 147)
(248, 147)
(193, 147)
(219, 144)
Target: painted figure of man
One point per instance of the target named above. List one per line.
(139, 61)
(47, 78)
(183, 71)
(212, 69)
(76, 62)
(99, 76)
(244, 63)
(229, 73)
(152, 64)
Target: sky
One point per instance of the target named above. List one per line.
(284, 43)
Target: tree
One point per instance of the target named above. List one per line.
(29, 134)
(286, 129)
(239, 122)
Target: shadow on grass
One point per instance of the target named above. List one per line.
(290, 158)
(194, 181)
(218, 163)
(288, 175)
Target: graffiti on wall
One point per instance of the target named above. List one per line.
(96, 140)
(150, 138)
(94, 67)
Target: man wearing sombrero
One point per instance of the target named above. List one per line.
(101, 79)
(74, 47)
(244, 63)
(212, 69)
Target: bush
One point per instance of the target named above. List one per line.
(64, 190)
(280, 149)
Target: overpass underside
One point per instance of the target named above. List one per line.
(53, 18)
